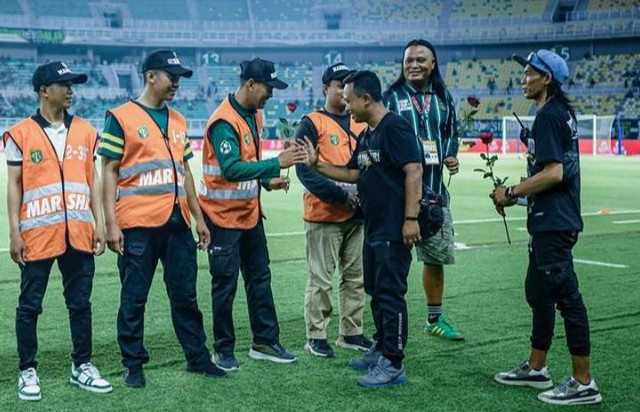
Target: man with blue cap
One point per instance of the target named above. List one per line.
(554, 221)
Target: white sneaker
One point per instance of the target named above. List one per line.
(572, 392)
(87, 377)
(29, 385)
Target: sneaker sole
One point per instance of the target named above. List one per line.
(31, 398)
(400, 380)
(89, 388)
(351, 346)
(254, 354)
(231, 369)
(531, 384)
(309, 349)
(587, 400)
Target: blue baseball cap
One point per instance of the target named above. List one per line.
(546, 61)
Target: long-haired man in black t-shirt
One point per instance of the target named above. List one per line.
(554, 221)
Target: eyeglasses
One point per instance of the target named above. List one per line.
(544, 64)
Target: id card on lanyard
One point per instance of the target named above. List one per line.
(430, 146)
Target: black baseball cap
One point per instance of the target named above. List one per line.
(166, 60)
(55, 72)
(261, 71)
(337, 71)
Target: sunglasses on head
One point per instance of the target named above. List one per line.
(542, 62)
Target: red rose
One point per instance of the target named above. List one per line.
(473, 101)
(291, 107)
(486, 137)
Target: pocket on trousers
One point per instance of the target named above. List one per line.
(221, 261)
(559, 280)
(135, 245)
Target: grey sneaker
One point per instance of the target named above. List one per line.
(355, 342)
(87, 377)
(274, 353)
(226, 361)
(366, 361)
(319, 347)
(383, 375)
(29, 385)
(572, 392)
(523, 375)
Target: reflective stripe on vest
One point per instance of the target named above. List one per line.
(149, 166)
(55, 218)
(211, 170)
(230, 194)
(151, 190)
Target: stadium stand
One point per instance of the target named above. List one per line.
(496, 107)
(598, 5)
(65, 8)
(154, 10)
(10, 7)
(631, 108)
(604, 70)
(222, 10)
(496, 8)
(603, 105)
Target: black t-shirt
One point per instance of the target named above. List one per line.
(387, 148)
(553, 139)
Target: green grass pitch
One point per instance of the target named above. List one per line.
(484, 297)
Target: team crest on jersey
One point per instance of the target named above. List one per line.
(334, 139)
(246, 138)
(404, 105)
(143, 132)
(36, 156)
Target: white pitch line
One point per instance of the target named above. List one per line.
(596, 263)
(624, 222)
(514, 219)
(285, 234)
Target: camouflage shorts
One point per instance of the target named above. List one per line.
(438, 249)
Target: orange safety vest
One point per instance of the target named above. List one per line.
(231, 205)
(151, 175)
(56, 195)
(335, 146)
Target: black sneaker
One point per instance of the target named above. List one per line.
(355, 342)
(319, 347)
(226, 361)
(274, 353)
(207, 369)
(134, 377)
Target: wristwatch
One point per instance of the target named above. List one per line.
(509, 193)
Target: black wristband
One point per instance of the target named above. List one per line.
(411, 218)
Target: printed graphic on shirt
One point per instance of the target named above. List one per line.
(365, 158)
